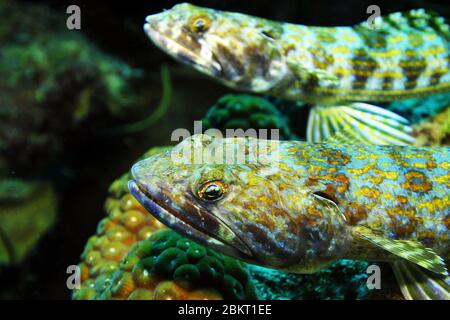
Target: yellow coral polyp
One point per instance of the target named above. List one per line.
(133, 220)
(143, 277)
(114, 251)
(124, 287)
(141, 294)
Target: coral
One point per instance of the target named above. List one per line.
(56, 88)
(131, 257)
(344, 279)
(434, 131)
(418, 109)
(55, 84)
(246, 112)
(20, 203)
(167, 266)
(126, 223)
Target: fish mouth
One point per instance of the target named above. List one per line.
(180, 51)
(175, 218)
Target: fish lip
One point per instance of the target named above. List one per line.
(171, 218)
(159, 38)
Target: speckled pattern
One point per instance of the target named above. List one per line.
(296, 209)
(407, 56)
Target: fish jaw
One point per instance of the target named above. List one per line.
(192, 221)
(187, 52)
(233, 50)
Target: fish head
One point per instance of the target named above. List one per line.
(251, 211)
(240, 51)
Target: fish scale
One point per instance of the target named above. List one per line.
(374, 76)
(401, 59)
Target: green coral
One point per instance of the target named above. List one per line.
(246, 112)
(418, 109)
(168, 256)
(343, 280)
(190, 264)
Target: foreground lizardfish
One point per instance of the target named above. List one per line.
(304, 205)
(337, 69)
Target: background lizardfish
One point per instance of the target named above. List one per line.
(307, 205)
(334, 68)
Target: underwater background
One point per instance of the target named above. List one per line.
(79, 107)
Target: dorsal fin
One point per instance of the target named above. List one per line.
(357, 123)
(344, 137)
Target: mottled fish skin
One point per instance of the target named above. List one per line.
(407, 56)
(296, 209)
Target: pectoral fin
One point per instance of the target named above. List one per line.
(367, 123)
(409, 250)
(418, 284)
(344, 137)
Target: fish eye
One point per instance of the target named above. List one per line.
(200, 25)
(211, 190)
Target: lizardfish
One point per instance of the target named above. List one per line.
(336, 69)
(298, 207)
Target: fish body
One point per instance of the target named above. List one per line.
(399, 60)
(297, 206)
(333, 68)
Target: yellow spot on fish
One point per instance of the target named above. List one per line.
(363, 170)
(372, 193)
(435, 204)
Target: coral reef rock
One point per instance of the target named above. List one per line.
(434, 131)
(247, 112)
(56, 87)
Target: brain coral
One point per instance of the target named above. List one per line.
(244, 111)
(133, 256)
(168, 266)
